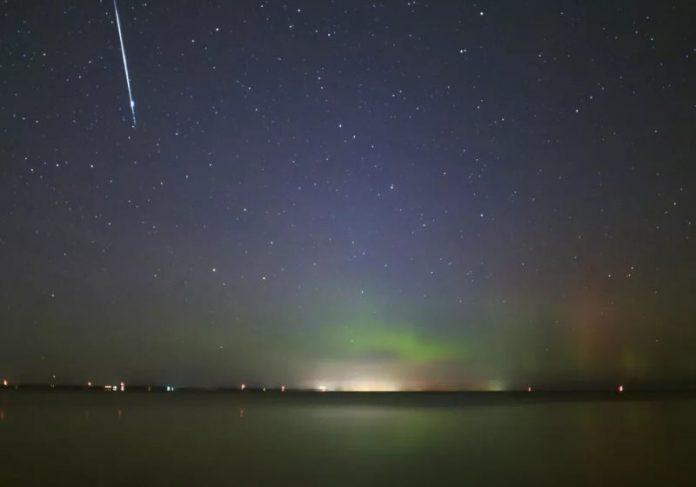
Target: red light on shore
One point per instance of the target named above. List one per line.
(620, 388)
(123, 386)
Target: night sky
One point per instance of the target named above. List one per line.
(360, 195)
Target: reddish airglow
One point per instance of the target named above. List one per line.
(621, 389)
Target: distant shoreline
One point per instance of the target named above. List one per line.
(108, 389)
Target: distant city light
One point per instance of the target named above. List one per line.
(170, 388)
(243, 387)
(282, 388)
(114, 388)
(529, 389)
(123, 386)
(496, 385)
(5, 382)
(360, 385)
(89, 383)
(621, 388)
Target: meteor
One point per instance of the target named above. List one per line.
(125, 63)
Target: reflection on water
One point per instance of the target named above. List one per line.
(223, 439)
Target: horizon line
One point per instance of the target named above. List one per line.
(122, 387)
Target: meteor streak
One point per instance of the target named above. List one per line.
(125, 63)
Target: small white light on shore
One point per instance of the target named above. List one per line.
(621, 388)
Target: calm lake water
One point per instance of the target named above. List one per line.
(207, 439)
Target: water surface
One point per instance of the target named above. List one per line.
(74, 438)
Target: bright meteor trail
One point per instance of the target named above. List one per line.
(125, 63)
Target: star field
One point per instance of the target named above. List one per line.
(417, 194)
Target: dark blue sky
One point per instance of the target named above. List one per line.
(350, 194)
